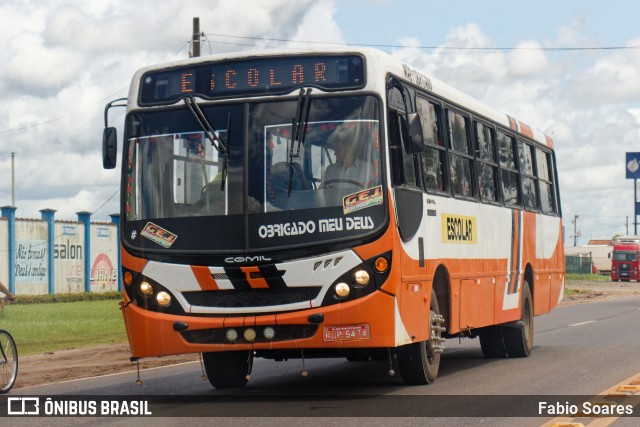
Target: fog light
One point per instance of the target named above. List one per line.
(164, 299)
(342, 290)
(146, 288)
(269, 332)
(249, 334)
(231, 335)
(361, 277)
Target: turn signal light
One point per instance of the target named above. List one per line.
(127, 278)
(381, 264)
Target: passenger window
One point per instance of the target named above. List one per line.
(461, 160)
(487, 166)
(433, 158)
(510, 176)
(547, 189)
(529, 187)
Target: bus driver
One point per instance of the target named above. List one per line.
(348, 170)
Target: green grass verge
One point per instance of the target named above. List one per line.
(589, 277)
(41, 328)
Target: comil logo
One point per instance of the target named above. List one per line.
(23, 406)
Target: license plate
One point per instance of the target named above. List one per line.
(346, 332)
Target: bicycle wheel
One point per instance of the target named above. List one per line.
(8, 361)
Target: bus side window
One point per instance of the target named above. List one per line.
(487, 166)
(529, 185)
(403, 164)
(547, 190)
(509, 171)
(433, 156)
(460, 157)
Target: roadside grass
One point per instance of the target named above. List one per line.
(47, 323)
(588, 277)
(41, 328)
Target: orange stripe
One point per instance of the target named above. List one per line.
(204, 278)
(526, 130)
(131, 262)
(255, 283)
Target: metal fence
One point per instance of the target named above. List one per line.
(579, 263)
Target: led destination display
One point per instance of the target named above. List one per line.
(259, 76)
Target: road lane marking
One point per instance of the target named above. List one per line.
(627, 388)
(583, 323)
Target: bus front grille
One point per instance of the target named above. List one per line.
(241, 298)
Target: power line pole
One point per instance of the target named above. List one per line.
(627, 225)
(195, 38)
(13, 180)
(575, 229)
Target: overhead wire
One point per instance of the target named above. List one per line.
(461, 48)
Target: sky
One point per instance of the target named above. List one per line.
(62, 61)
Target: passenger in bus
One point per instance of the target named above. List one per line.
(348, 170)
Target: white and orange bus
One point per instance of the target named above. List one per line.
(298, 204)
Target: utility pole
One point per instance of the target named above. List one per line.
(575, 229)
(627, 225)
(195, 38)
(13, 180)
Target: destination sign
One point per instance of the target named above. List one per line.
(256, 76)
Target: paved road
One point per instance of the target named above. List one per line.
(580, 349)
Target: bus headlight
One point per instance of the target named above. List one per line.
(146, 288)
(164, 299)
(342, 290)
(361, 278)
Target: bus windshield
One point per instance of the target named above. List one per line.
(279, 190)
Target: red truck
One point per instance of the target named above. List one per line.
(624, 259)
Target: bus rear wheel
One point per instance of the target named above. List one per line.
(492, 343)
(519, 341)
(419, 362)
(228, 369)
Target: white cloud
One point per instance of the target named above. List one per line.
(528, 60)
(584, 101)
(33, 68)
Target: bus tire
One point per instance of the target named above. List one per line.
(419, 362)
(519, 342)
(228, 369)
(492, 343)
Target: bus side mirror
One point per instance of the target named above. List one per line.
(109, 147)
(414, 141)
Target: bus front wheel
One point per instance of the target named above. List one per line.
(419, 362)
(228, 369)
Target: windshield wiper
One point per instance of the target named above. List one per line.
(212, 134)
(299, 129)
